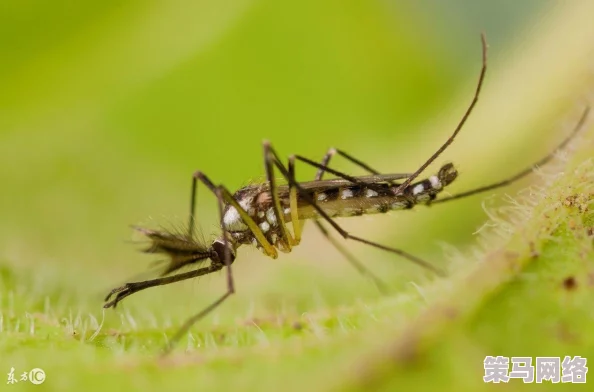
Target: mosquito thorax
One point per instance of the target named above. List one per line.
(246, 197)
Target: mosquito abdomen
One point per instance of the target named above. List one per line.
(357, 200)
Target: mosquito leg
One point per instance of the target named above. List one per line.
(193, 195)
(340, 230)
(524, 172)
(227, 260)
(382, 287)
(324, 168)
(356, 161)
(297, 224)
(326, 161)
(131, 288)
(449, 141)
(333, 151)
(250, 223)
(297, 228)
(363, 165)
(278, 212)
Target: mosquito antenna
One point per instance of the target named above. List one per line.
(433, 157)
(527, 170)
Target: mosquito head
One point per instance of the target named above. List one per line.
(218, 250)
(447, 174)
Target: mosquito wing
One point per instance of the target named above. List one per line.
(339, 182)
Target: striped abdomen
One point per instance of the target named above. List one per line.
(356, 200)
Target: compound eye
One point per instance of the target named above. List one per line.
(218, 247)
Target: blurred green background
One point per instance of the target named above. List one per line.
(108, 107)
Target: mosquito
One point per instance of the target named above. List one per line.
(260, 214)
